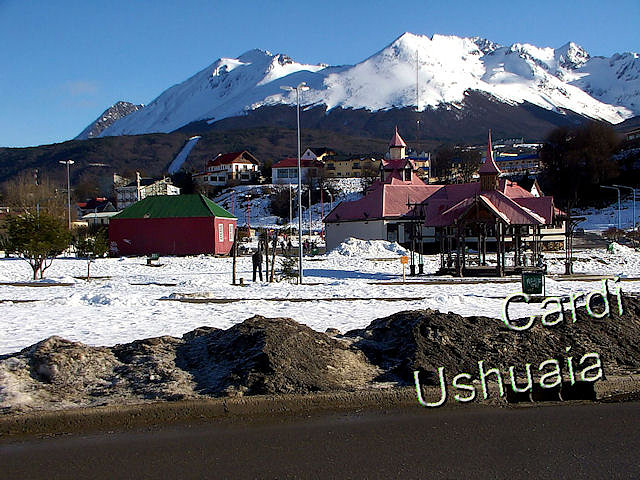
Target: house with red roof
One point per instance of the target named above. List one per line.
(386, 212)
(286, 170)
(229, 168)
(401, 207)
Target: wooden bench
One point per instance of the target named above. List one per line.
(154, 257)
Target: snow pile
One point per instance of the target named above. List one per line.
(448, 67)
(622, 249)
(354, 247)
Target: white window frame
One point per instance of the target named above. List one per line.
(231, 232)
(221, 232)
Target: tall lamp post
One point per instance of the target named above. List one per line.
(290, 208)
(617, 190)
(633, 192)
(301, 87)
(68, 163)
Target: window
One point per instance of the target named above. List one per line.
(220, 232)
(231, 232)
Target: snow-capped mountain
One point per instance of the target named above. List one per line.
(447, 68)
(115, 112)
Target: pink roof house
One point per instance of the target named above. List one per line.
(398, 201)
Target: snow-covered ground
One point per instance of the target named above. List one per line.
(604, 218)
(128, 304)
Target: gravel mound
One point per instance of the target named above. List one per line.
(258, 356)
(425, 340)
(273, 355)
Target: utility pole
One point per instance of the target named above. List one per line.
(633, 193)
(617, 190)
(290, 208)
(321, 213)
(37, 182)
(302, 86)
(68, 163)
(310, 227)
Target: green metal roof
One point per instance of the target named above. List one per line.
(172, 206)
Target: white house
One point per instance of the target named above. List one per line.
(141, 188)
(286, 171)
(227, 168)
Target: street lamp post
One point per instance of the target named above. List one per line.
(302, 86)
(617, 190)
(633, 192)
(310, 226)
(68, 163)
(290, 208)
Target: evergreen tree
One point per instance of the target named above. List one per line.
(38, 239)
(289, 268)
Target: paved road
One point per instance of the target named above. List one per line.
(559, 441)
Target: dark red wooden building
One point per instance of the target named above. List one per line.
(172, 225)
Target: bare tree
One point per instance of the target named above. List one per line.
(30, 192)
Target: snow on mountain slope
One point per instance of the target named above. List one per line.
(221, 90)
(614, 80)
(566, 78)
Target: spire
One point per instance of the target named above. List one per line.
(489, 166)
(397, 140)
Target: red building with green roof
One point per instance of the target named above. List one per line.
(172, 225)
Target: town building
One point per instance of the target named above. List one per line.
(94, 205)
(633, 134)
(517, 164)
(323, 154)
(401, 207)
(354, 167)
(172, 225)
(384, 212)
(229, 169)
(98, 218)
(286, 170)
(494, 210)
(141, 188)
(422, 164)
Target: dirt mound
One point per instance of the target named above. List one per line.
(425, 340)
(273, 355)
(258, 356)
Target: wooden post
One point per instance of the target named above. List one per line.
(273, 257)
(484, 244)
(498, 248)
(234, 249)
(266, 253)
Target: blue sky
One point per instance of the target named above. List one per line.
(64, 62)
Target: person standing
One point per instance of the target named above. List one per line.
(256, 259)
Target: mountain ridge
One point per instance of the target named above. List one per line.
(563, 79)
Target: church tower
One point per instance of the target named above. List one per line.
(397, 147)
(489, 171)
